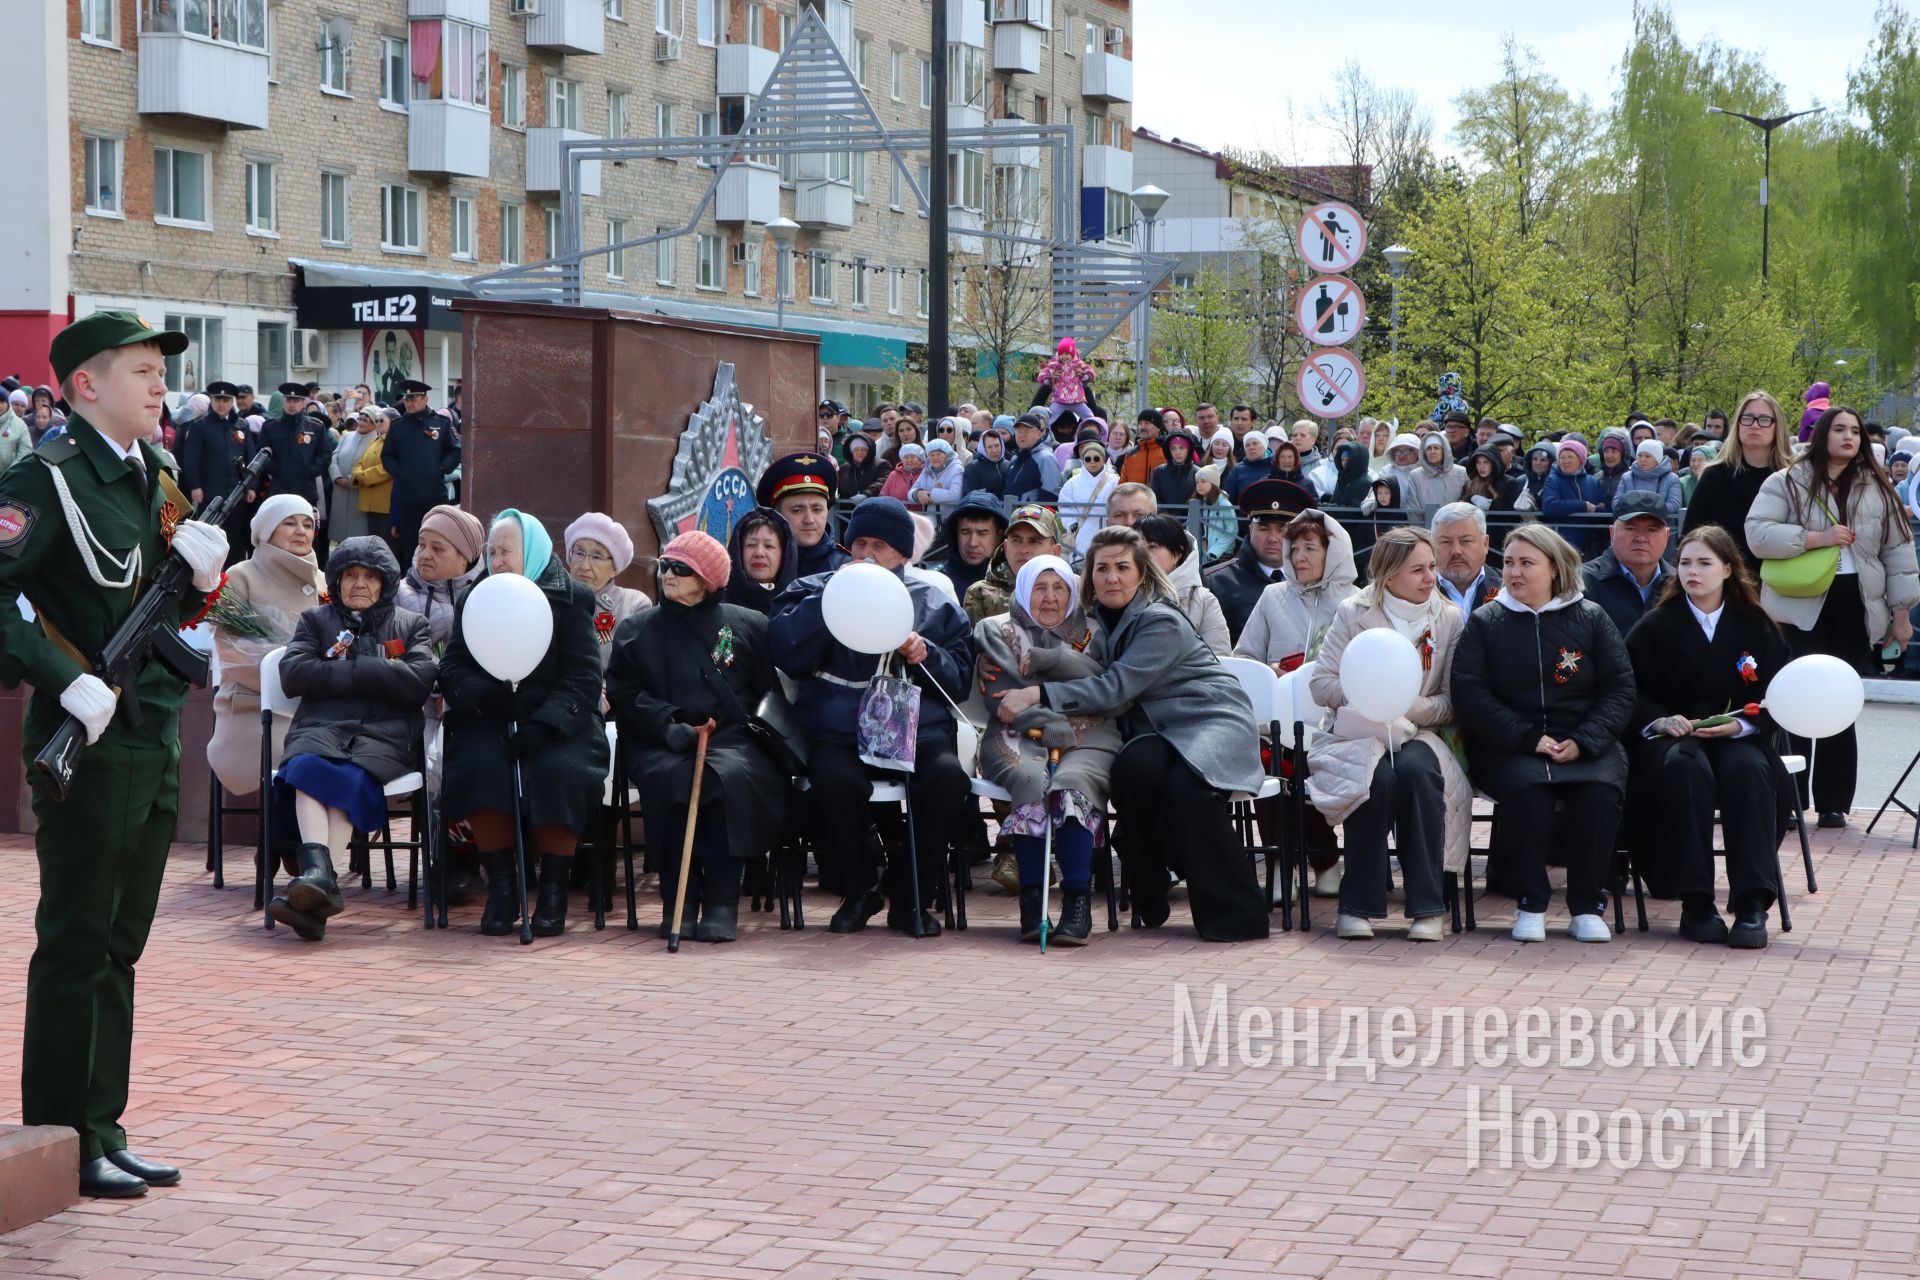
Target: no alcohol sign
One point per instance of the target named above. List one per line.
(1330, 383)
(1330, 310)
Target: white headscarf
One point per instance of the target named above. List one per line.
(1030, 573)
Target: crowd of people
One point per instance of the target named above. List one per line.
(1085, 591)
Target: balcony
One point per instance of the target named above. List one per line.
(972, 117)
(186, 75)
(1108, 76)
(543, 161)
(471, 11)
(569, 26)
(968, 24)
(448, 137)
(1016, 47)
(748, 193)
(823, 202)
(1107, 167)
(1025, 157)
(959, 223)
(744, 69)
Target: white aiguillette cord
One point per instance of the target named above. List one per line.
(83, 538)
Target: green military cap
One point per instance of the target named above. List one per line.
(88, 336)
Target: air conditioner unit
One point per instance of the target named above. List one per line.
(526, 8)
(666, 48)
(739, 252)
(309, 349)
(1116, 39)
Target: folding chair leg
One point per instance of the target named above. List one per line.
(1620, 874)
(413, 849)
(626, 844)
(1639, 900)
(1450, 890)
(958, 858)
(1466, 892)
(1105, 864)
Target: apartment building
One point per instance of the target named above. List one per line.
(304, 186)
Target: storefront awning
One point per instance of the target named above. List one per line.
(333, 295)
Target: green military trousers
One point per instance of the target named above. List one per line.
(102, 852)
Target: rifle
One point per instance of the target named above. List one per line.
(152, 630)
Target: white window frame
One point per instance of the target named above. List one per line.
(896, 186)
(170, 218)
(926, 84)
(460, 228)
(862, 176)
(395, 74)
(783, 273)
(662, 121)
(344, 209)
(1096, 37)
(616, 258)
(407, 211)
(897, 73)
(862, 55)
(750, 269)
(756, 23)
(860, 269)
(619, 115)
(246, 15)
(706, 22)
(206, 341)
(550, 229)
(710, 267)
(262, 195)
(665, 261)
(820, 266)
(562, 92)
(336, 57)
(616, 10)
(706, 124)
(513, 241)
(666, 17)
(925, 175)
(100, 23)
(893, 289)
(94, 150)
(462, 45)
(923, 295)
(513, 96)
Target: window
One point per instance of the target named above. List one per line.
(1120, 217)
(96, 21)
(552, 229)
(862, 50)
(926, 184)
(707, 125)
(663, 120)
(1096, 129)
(453, 56)
(563, 103)
(664, 16)
(860, 176)
(839, 16)
(662, 259)
(394, 73)
(336, 38)
(896, 74)
(513, 96)
(750, 271)
(786, 29)
(711, 270)
(399, 218)
(894, 185)
(270, 354)
(237, 22)
(1093, 37)
(860, 283)
(617, 10)
(706, 21)
(783, 271)
(205, 358)
(923, 301)
(179, 186)
(926, 83)
(756, 24)
(893, 291)
(460, 228)
(967, 180)
(1016, 194)
(966, 76)
(260, 202)
(820, 277)
(616, 258)
(102, 165)
(510, 215)
(333, 208)
(616, 115)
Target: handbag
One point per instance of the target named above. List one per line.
(778, 730)
(1806, 575)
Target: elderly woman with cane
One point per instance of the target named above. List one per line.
(693, 668)
(1046, 635)
(559, 742)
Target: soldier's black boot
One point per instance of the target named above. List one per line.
(315, 891)
(502, 911)
(1030, 914)
(1076, 919)
(550, 912)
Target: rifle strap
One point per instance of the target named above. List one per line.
(59, 641)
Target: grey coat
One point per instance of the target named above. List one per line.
(1015, 652)
(1162, 679)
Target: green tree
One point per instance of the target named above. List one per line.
(1202, 345)
(1875, 202)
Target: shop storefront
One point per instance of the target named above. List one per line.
(377, 326)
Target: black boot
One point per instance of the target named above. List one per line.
(550, 912)
(312, 928)
(1030, 914)
(1076, 919)
(900, 920)
(1699, 922)
(502, 911)
(856, 911)
(314, 891)
(463, 879)
(720, 902)
(1749, 931)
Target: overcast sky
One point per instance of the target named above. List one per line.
(1249, 73)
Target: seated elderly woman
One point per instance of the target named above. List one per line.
(1548, 689)
(1046, 635)
(561, 743)
(362, 668)
(1375, 779)
(698, 662)
(1189, 740)
(256, 614)
(764, 559)
(598, 551)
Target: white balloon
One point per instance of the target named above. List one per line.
(507, 624)
(1380, 674)
(867, 608)
(1816, 696)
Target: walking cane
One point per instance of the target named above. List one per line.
(686, 845)
(519, 837)
(1046, 857)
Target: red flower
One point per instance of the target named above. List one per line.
(1750, 710)
(603, 625)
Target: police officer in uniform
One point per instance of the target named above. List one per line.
(420, 451)
(302, 447)
(800, 487)
(84, 524)
(213, 456)
(243, 401)
(1267, 506)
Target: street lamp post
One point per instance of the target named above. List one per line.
(1147, 202)
(783, 230)
(1396, 256)
(1766, 125)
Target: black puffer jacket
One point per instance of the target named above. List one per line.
(364, 705)
(1563, 673)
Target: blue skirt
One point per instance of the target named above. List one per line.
(338, 784)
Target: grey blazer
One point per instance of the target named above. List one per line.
(1162, 678)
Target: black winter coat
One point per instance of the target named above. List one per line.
(213, 453)
(1237, 584)
(1679, 672)
(302, 448)
(1723, 497)
(1607, 586)
(421, 450)
(363, 707)
(1563, 673)
(563, 781)
(662, 670)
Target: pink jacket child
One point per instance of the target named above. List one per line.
(1067, 379)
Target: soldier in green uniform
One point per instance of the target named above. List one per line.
(84, 524)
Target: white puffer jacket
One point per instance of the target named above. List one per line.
(1341, 767)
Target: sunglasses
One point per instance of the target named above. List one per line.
(676, 568)
(826, 413)
(945, 431)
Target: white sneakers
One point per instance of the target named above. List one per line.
(1529, 926)
(1427, 929)
(1347, 926)
(1589, 929)
(1326, 884)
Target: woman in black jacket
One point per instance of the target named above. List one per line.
(864, 471)
(988, 470)
(561, 741)
(765, 559)
(695, 660)
(1763, 443)
(1488, 486)
(1551, 689)
(1705, 650)
(363, 669)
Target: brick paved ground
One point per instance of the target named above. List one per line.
(397, 1103)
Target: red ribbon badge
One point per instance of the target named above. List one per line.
(603, 624)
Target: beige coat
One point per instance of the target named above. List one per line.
(1777, 525)
(280, 587)
(1341, 767)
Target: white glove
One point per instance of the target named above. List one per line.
(91, 702)
(204, 548)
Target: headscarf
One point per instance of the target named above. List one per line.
(1030, 573)
(535, 543)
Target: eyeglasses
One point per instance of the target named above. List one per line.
(1757, 419)
(581, 555)
(676, 568)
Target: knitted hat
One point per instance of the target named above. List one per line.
(461, 529)
(1574, 447)
(272, 510)
(606, 531)
(1089, 447)
(1210, 473)
(884, 518)
(1650, 449)
(938, 446)
(911, 450)
(701, 552)
(17, 396)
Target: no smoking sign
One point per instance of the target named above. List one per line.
(1330, 383)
